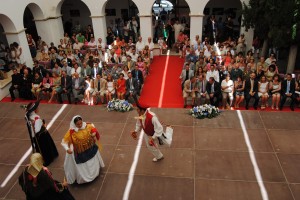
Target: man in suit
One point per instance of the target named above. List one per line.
(96, 70)
(186, 74)
(288, 87)
(100, 85)
(15, 84)
(66, 85)
(201, 88)
(138, 75)
(132, 88)
(251, 90)
(66, 68)
(66, 59)
(38, 69)
(213, 91)
(78, 86)
(129, 63)
(86, 70)
(189, 90)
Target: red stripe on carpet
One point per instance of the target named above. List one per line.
(172, 97)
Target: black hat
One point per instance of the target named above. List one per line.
(32, 107)
(141, 106)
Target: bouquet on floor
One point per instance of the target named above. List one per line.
(119, 105)
(204, 111)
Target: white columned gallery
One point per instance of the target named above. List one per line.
(49, 23)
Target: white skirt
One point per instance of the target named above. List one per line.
(83, 172)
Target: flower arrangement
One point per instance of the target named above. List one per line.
(204, 111)
(119, 105)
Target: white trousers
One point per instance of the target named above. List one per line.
(153, 149)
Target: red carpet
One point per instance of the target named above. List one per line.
(172, 95)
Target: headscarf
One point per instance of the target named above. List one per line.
(36, 164)
(73, 125)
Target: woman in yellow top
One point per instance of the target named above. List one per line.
(83, 159)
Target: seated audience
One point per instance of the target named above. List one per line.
(263, 91)
(121, 86)
(66, 87)
(275, 88)
(78, 86)
(47, 86)
(288, 87)
(100, 85)
(110, 88)
(227, 88)
(132, 88)
(56, 88)
(213, 90)
(251, 90)
(189, 90)
(239, 86)
(15, 84)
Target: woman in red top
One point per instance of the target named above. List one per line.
(227, 59)
(121, 86)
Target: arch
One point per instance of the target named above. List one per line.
(222, 10)
(36, 11)
(131, 5)
(75, 15)
(7, 24)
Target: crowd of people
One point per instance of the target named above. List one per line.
(224, 73)
(100, 71)
(81, 65)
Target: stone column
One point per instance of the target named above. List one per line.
(196, 26)
(99, 26)
(50, 29)
(20, 38)
(146, 29)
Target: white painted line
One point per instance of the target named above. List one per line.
(133, 167)
(28, 152)
(258, 176)
(162, 90)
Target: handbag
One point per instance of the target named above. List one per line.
(168, 136)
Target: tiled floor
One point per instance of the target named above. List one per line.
(208, 160)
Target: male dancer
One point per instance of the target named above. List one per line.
(153, 129)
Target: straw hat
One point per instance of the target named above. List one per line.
(36, 164)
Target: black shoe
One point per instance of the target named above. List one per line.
(292, 108)
(247, 107)
(184, 106)
(255, 108)
(12, 99)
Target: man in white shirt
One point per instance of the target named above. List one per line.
(195, 42)
(227, 88)
(92, 44)
(177, 28)
(100, 43)
(213, 73)
(76, 45)
(134, 55)
(76, 69)
(151, 46)
(140, 45)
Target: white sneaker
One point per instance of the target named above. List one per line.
(155, 159)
